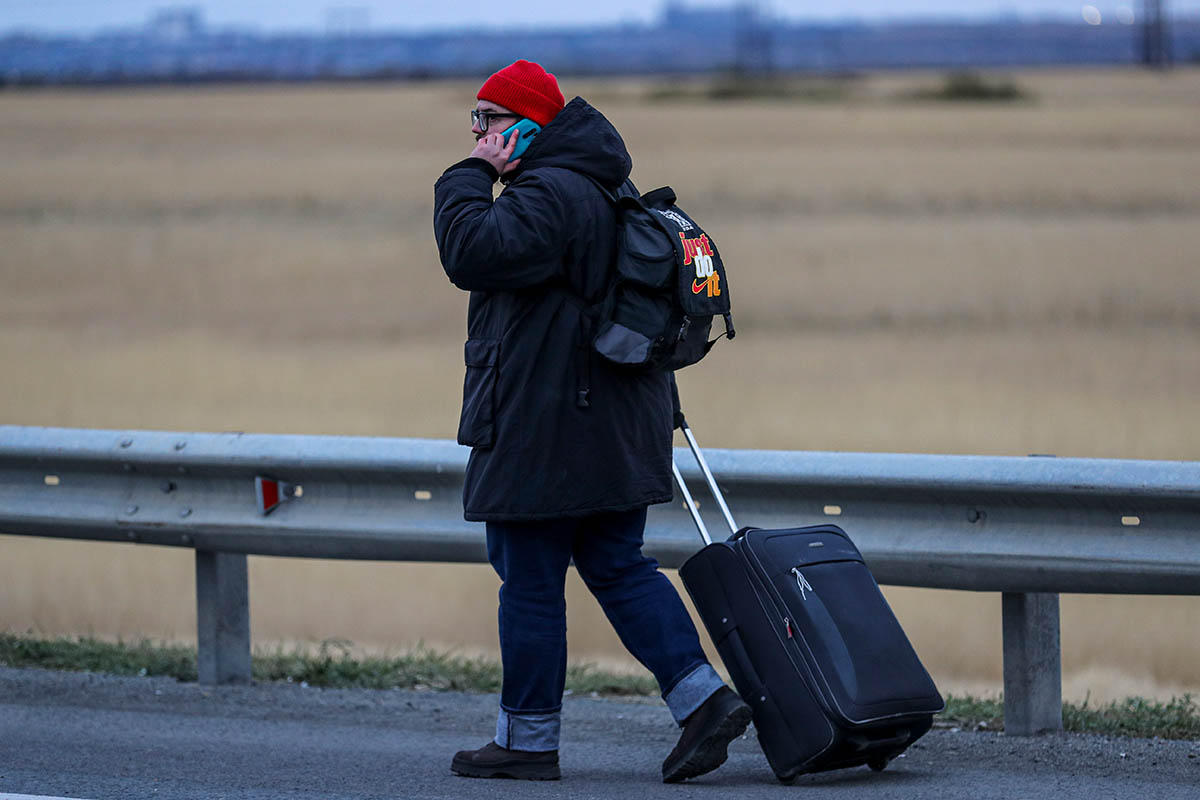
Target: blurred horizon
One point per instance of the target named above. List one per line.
(85, 18)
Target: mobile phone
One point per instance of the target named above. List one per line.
(528, 129)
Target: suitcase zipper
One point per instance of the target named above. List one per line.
(799, 646)
(802, 583)
(770, 593)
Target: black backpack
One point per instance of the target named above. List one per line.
(667, 285)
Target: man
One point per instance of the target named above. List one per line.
(567, 452)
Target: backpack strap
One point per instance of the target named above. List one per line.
(609, 195)
(589, 313)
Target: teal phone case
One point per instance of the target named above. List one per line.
(528, 129)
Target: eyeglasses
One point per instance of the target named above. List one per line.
(484, 118)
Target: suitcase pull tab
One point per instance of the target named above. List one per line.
(802, 583)
(787, 625)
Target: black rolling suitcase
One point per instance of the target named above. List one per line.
(810, 642)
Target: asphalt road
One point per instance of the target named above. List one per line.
(102, 737)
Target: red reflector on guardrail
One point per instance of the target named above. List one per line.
(270, 493)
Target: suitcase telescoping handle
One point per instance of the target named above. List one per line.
(712, 485)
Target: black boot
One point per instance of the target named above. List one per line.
(707, 732)
(494, 761)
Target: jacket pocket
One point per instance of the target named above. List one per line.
(477, 427)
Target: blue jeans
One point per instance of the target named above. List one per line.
(531, 559)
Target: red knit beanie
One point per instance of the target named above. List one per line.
(526, 89)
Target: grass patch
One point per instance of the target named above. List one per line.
(961, 86)
(1178, 718)
(331, 665)
(973, 713)
(334, 665)
(92, 655)
(972, 87)
(735, 86)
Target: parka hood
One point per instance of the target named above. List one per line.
(580, 139)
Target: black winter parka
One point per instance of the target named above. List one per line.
(532, 259)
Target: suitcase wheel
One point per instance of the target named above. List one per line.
(878, 764)
(787, 780)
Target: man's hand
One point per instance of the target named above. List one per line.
(493, 149)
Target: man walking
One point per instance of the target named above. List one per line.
(567, 452)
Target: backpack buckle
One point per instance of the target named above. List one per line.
(581, 398)
(683, 329)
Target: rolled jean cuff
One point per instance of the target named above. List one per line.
(691, 691)
(534, 733)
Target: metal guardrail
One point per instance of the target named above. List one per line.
(1027, 527)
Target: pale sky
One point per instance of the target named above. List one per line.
(86, 16)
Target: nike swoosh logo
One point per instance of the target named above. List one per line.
(697, 288)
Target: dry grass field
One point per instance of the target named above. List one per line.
(907, 276)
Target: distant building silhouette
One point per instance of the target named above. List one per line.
(1156, 43)
(347, 20)
(177, 46)
(176, 23)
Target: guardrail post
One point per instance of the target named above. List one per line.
(1032, 664)
(222, 618)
